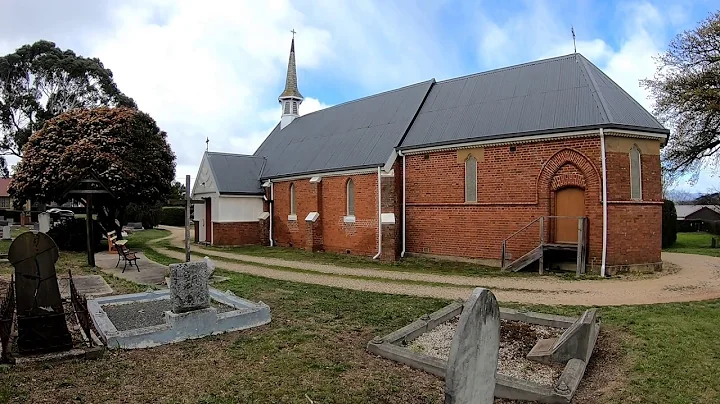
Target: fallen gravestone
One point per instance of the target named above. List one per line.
(189, 285)
(472, 363)
(576, 342)
(40, 316)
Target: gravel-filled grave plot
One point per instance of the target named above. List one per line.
(516, 341)
(128, 316)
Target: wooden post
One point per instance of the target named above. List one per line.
(580, 246)
(541, 261)
(89, 230)
(187, 218)
(502, 258)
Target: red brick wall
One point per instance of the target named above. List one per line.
(236, 233)
(515, 187)
(337, 236)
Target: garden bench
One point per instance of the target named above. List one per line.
(126, 255)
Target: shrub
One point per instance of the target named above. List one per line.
(173, 216)
(70, 235)
(148, 215)
(712, 226)
(669, 224)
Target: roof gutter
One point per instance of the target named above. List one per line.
(536, 136)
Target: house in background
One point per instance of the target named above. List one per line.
(493, 166)
(692, 217)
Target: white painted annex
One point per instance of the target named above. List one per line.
(216, 171)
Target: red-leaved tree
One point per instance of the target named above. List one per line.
(123, 146)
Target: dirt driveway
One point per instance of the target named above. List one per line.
(697, 279)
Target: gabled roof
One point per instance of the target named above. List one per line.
(237, 174)
(684, 211)
(552, 95)
(357, 134)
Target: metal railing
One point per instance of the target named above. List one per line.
(545, 231)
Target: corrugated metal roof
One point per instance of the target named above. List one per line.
(684, 211)
(356, 134)
(236, 173)
(551, 95)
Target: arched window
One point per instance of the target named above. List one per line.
(295, 110)
(350, 197)
(292, 199)
(471, 179)
(635, 173)
(286, 106)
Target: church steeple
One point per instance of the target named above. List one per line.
(290, 99)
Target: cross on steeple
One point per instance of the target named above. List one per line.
(207, 144)
(293, 32)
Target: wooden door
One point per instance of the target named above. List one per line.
(568, 202)
(208, 220)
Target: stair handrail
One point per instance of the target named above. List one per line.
(542, 232)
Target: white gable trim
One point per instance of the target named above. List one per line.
(205, 182)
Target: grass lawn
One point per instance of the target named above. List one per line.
(314, 348)
(407, 264)
(695, 243)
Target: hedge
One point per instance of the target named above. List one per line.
(173, 216)
(149, 216)
(669, 224)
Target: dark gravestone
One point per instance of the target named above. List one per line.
(40, 315)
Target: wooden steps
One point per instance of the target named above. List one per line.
(536, 254)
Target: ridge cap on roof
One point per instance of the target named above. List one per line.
(627, 95)
(590, 79)
(500, 69)
(368, 97)
(233, 154)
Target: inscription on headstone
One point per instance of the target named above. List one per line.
(472, 363)
(40, 315)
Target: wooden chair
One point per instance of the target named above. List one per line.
(126, 255)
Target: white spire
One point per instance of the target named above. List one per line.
(290, 99)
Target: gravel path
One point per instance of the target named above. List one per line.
(698, 279)
(516, 340)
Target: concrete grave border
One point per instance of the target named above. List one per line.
(177, 327)
(390, 347)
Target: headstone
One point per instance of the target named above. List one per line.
(6, 233)
(36, 226)
(40, 314)
(2, 218)
(472, 363)
(189, 285)
(44, 222)
(10, 221)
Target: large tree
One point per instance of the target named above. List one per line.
(40, 81)
(686, 90)
(123, 146)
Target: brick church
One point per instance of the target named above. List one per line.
(545, 156)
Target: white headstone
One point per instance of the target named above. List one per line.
(472, 363)
(44, 222)
(6, 233)
(10, 221)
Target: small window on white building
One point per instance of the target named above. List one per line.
(292, 199)
(286, 106)
(350, 192)
(635, 173)
(471, 179)
(295, 110)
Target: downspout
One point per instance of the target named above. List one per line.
(379, 219)
(402, 253)
(272, 207)
(604, 199)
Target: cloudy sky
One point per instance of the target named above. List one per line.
(215, 68)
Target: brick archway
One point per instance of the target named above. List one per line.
(566, 168)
